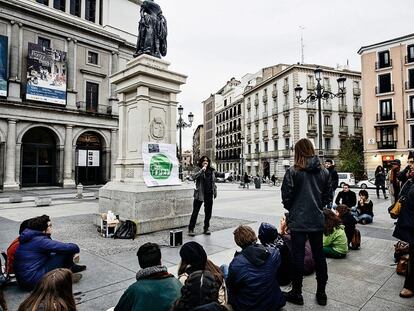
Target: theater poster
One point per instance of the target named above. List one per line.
(160, 164)
(46, 75)
(3, 65)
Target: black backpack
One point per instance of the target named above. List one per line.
(128, 230)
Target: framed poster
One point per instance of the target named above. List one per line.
(93, 158)
(3, 65)
(81, 157)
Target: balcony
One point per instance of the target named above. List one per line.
(274, 93)
(327, 106)
(342, 108)
(265, 133)
(274, 110)
(275, 131)
(312, 128)
(274, 154)
(409, 85)
(357, 91)
(256, 102)
(383, 90)
(380, 65)
(391, 144)
(357, 109)
(328, 128)
(249, 105)
(265, 114)
(409, 114)
(286, 88)
(358, 131)
(311, 105)
(286, 107)
(310, 86)
(256, 136)
(256, 118)
(386, 117)
(286, 129)
(286, 153)
(264, 98)
(343, 130)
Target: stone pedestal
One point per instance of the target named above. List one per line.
(147, 106)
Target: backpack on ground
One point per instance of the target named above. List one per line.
(356, 239)
(128, 230)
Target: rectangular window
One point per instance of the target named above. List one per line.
(342, 121)
(249, 148)
(384, 60)
(265, 146)
(357, 122)
(43, 42)
(384, 82)
(256, 148)
(92, 58)
(410, 53)
(75, 7)
(90, 9)
(225, 102)
(411, 78)
(45, 2)
(387, 136)
(287, 120)
(327, 120)
(59, 5)
(385, 107)
(275, 145)
(92, 94)
(411, 106)
(310, 119)
(287, 143)
(327, 143)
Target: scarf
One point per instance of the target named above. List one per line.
(156, 272)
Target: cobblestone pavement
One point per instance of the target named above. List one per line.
(365, 280)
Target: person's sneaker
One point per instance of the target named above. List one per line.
(78, 268)
(321, 298)
(76, 277)
(206, 232)
(293, 297)
(191, 233)
(406, 293)
(76, 258)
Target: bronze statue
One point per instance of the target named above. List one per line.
(152, 31)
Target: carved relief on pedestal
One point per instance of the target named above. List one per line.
(157, 128)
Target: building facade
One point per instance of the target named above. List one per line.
(275, 120)
(209, 126)
(58, 111)
(388, 97)
(187, 160)
(198, 143)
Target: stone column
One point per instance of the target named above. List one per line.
(113, 100)
(114, 151)
(97, 11)
(71, 73)
(10, 180)
(68, 181)
(15, 58)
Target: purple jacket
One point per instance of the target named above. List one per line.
(33, 254)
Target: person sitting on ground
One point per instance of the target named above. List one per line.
(349, 222)
(346, 197)
(252, 280)
(38, 254)
(53, 292)
(194, 258)
(363, 212)
(335, 243)
(200, 292)
(155, 288)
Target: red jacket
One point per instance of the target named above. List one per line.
(11, 250)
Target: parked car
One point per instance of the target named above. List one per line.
(346, 178)
(368, 183)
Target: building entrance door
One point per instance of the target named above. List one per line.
(89, 160)
(38, 158)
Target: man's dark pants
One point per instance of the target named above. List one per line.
(208, 206)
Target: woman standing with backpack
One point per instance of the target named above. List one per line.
(306, 190)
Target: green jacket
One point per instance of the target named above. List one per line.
(337, 240)
(150, 294)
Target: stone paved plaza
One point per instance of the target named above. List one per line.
(365, 280)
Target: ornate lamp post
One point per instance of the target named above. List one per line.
(181, 125)
(317, 95)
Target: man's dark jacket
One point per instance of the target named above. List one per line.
(347, 198)
(334, 177)
(304, 194)
(252, 281)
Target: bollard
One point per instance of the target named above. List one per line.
(79, 189)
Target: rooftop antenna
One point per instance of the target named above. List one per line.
(301, 44)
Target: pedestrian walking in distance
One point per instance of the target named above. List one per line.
(205, 191)
(306, 190)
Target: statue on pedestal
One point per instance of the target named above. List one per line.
(152, 31)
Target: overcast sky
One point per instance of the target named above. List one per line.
(214, 40)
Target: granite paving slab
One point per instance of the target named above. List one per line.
(391, 289)
(379, 304)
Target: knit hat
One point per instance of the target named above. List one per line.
(194, 254)
(267, 233)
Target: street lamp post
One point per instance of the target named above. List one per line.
(242, 157)
(318, 95)
(181, 125)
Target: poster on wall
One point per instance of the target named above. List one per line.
(46, 75)
(81, 157)
(3, 65)
(160, 164)
(93, 158)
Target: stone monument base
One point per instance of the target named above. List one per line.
(152, 208)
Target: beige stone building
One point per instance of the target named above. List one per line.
(58, 111)
(209, 126)
(388, 100)
(187, 161)
(199, 143)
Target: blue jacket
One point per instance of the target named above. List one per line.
(33, 254)
(252, 281)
